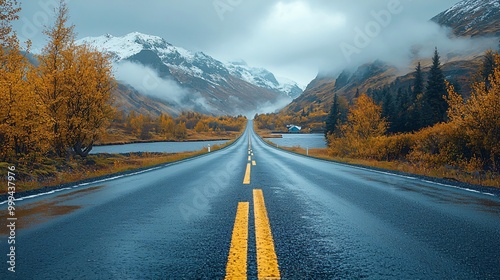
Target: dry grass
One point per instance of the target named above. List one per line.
(266, 133)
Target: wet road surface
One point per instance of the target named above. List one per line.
(257, 211)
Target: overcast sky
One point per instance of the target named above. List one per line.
(293, 38)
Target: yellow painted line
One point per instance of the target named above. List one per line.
(249, 158)
(254, 163)
(267, 261)
(236, 267)
(246, 180)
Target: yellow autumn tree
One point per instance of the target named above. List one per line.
(202, 126)
(9, 10)
(88, 109)
(53, 64)
(479, 117)
(23, 119)
(166, 126)
(76, 88)
(180, 131)
(364, 123)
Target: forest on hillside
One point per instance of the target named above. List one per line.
(429, 124)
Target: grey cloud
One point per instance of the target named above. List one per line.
(292, 38)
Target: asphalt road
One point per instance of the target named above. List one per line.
(257, 211)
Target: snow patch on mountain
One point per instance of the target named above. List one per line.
(472, 17)
(263, 78)
(195, 64)
(471, 7)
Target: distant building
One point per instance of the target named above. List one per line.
(293, 128)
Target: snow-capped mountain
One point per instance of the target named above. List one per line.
(192, 79)
(263, 78)
(472, 18)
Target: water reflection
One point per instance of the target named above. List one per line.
(156, 147)
(302, 140)
(39, 212)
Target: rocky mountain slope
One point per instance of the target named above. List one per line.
(472, 18)
(185, 80)
(466, 18)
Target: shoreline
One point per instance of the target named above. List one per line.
(159, 141)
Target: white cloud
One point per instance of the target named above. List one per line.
(147, 81)
(268, 107)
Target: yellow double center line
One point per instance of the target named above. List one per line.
(267, 260)
(237, 261)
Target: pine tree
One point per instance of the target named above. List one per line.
(434, 104)
(487, 67)
(388, 110)
(414, 119)
(418, 84)
(333, 117)
(400, 122)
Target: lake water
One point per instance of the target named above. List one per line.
(302, 140)
(155, 147)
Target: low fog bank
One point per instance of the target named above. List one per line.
(146, 81)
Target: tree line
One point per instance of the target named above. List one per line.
(405, 109)
(428, 124)
(60, 105)
(168, 128)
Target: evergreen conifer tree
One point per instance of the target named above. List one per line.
(418, 85)
(333, 117)
(487, 68)
(434, 99)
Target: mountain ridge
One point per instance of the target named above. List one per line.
(226, 88)
(458, 68)
(472, 18)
